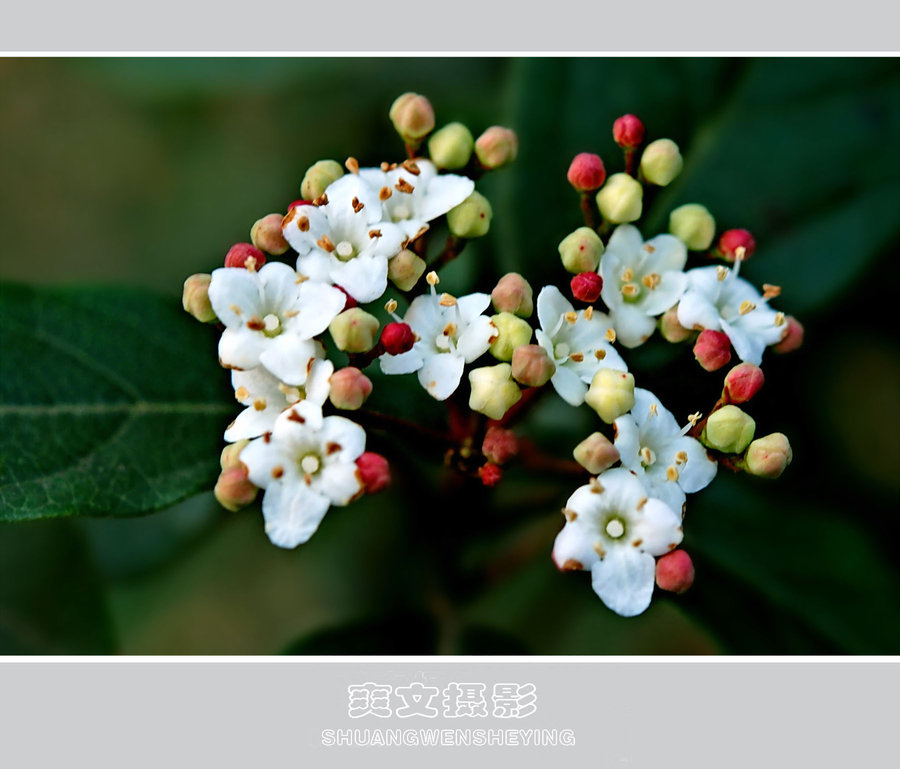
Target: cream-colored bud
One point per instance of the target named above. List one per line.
(581, 250)
(471, 218)
(693, 225)
(729, 430)
(405, 269)
(267, 235)
(493, 390)
(451, 146)
(767, 457)
(661, 162)
(620, 200)
(497, 147)
(231, 455)
(596, 453)
(611, 394)
(354, 330)
(412, 116)
(513, 294)
(512, 332)
(318, 176)
(195, 298)
(532, 366)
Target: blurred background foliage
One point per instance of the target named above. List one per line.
(142, 171)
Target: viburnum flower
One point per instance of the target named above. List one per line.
(652, 445)
(346, 241)
(414, 193)
(305, 465)
(266, 396)
(614, 528)
(579, 343)
(452, 332)
(718, 299)
(640, 281)
(271, 317)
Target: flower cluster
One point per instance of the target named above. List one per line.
(354, 234)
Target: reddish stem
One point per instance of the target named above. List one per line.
(587, 209)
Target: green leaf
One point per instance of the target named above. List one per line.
(50, 597)
(111, 403)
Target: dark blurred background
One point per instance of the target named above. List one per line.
(142, 171)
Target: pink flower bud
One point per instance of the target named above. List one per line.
(497, 147)
(233, 489)
(245, 255)
(670, 328)
(267, 236)
(195, 298)
(628, 131)
(513, 294)
(412, 116)
(531, 366)
(397, 338)
(490, 474)
(675, 571)
(586, 173)
(596, 453)
(349, 388)
(586, 287)
(732, 240)
(712, 349)
(500, 445)
(793, 337)
(374, 472)
(742, 383)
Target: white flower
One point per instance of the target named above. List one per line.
(655, 448)
(577, 342)
(614, 528)
(270, 318)
(451, 332)
(411, 200)
(718, 299)
(266, 396)
(347, 241)
(640, 281)
(307, 464)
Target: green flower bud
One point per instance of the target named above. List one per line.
(231, 455)
(693, 225)
(581, 250)
(661, 162)
(670, 328)
(729, 430)
(611, 394)
(405, 269)
(513, 294)
(413, 117)
(767, 457)
(532, 366)
(596, 453)
(512, 332)
(620, 200)
(451, 146)
(266, 234)
(471, 218)
(195, 298)
(318, 176)
(497, 147)
(493, 390)
(354, 330)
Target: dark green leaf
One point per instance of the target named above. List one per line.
(111, 403)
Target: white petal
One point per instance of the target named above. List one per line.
(315, 225)
(389, 243)
(699, 470)
(289, 357)
(241, 347)
(236, 295)
(696, 310)
(475, 340)
(658, 527)
(299, 426)
(342, 439)
(319, 304)
(670, 289)
(441, 373)
(251, 423)
(659, 487)
(315, 265)
(575, 543)
(657, 425)
(569, 386)
(443, 193)
(280, 287)
(292, 513)
(260, 457)
(363, 277)
(624, 580)
(318, 383)
(551, 306)
(626, 242)
(669, 253)
(628, 441)
(424, 316)
(405, 363)
(633, 327)
(340, 482)
(471, 306)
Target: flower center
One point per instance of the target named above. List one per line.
(401, 212)
(615, 528)
(344, 251)
(272, 325)
(647, 456)
(310, 464)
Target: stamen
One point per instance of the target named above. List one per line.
(352, 165)
(259, 404)
(638, 542)
(403, 186)
(277, 471)
(599, 354)
(447, 300)
(235, 309)
(357, 206)
(250, 263)
(577, 357)
(255, 324)
(610, 335)
(627, 274)
(303, 224)
(598, 549)
(630, 289)
(571, 515)
(721, 273)
(779, 319)
(746, 306)
(411, 166)
(449, 329)
(390, 306)
(589, 313)
(571, 316)
(384, 193)
(301, 278)
(671, 473)
(615, 529)
(432, 278)
(325, 244)
(770, 291)
(647, 456)
(652, 280)
(291, 313)
(653, 410)
(374, 233)
(640, 505)
(596, 486)
(322, 200)
(344, 249)
(681, 457)
(385, 166)
(242, 393)
(648, 248)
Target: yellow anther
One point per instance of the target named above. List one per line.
(721, 273)
(577, 357)
(779, 319)
(630, 289)
(589, 313)
(571, 316)
(432, 278)
(681, 457)
(746, 306)
(447, 300)
(390, 305)
(671, 473)
(599, 354)
(627, 274)
(610, 335)
(596, 486)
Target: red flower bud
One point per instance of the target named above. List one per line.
(490, 474)
(586, 173)
(675, 571)
(374, 472)
(712, 349)
(742, 383)
(297, 203)
(586, 287)
(793, 338)
(245, 255)
(628, 131)
(397, 338)
(500, 445)
(732, 240)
